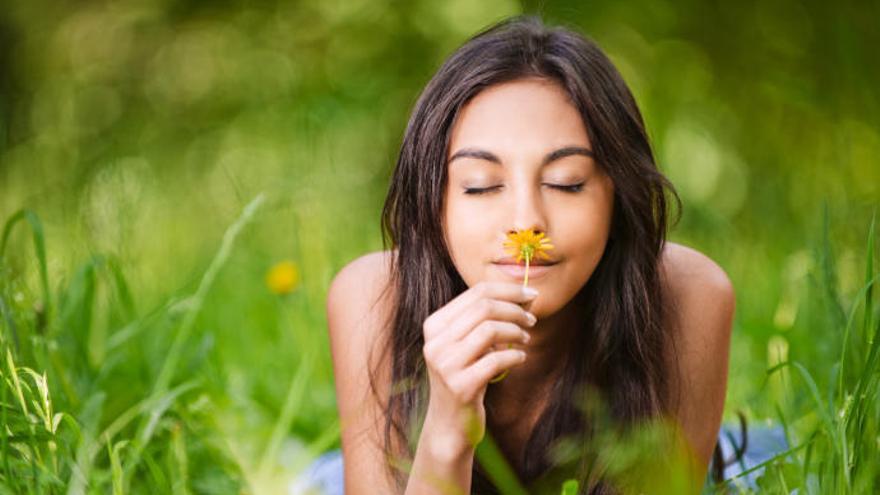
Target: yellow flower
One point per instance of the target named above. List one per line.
(525, 245)
(283, 277)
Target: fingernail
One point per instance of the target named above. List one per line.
(522, 355)
(532, 319)
(529, 292)
(526, 337)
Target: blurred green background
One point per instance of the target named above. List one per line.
(137, 131)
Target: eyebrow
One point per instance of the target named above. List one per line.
(550, 157)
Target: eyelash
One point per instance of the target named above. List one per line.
(573, 188)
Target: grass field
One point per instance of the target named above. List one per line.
(224, 386)
(180, 181)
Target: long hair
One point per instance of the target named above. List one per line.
(619, 349)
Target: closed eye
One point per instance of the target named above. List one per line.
(570, 188)
(480, 190)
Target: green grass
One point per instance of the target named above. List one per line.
(102, 395)
(135, 133)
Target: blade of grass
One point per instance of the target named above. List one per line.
(179, 469)
(10, 324)
(863, 401)
(868, 323)
(169, 366)
(829, 272)
(75, 311)
(89, 449)
(849, 323)
(123, 292)
(499, 471)
(4, 414)
(89, 415)
(764, 464)
(16, 383)
(784, 422)
(808, 455)
(570, 487)
(156, 474)
(116, 465)
(811, 384)
(173, 356)
(75, 318)
(285, 419)
(124, 334)
(39, 248)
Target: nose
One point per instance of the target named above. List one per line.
(528, 209)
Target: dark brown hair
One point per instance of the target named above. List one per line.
(620, 348)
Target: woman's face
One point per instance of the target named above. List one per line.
(524, 145)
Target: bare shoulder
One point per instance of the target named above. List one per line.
(702, 303)
(361, 284)
(359, 304)
(689, 272)
(701, 297)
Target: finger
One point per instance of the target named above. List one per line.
(486, 335)
(505, 291)
(490, 365)
(488, 309)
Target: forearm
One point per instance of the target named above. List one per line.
(443, 463)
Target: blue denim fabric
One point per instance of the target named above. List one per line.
(763, 443)
(324, 475)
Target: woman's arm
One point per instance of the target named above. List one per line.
(442, 464)
(356, 313)
(703, 303)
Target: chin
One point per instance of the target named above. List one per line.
(544, 309)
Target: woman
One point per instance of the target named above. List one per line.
(523, 127)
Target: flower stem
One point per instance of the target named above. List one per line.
(526, 278)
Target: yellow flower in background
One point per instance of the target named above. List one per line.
(283, 277)
(526, 244)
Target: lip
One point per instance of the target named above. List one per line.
(535, 262)
(519, 270)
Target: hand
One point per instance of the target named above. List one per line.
(460, 355)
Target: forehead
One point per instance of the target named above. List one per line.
(522, 116)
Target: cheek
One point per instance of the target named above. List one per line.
(472, 239)
(587, 246)
(581, 240)
(456, 229)
(464, 233)
(588, 242)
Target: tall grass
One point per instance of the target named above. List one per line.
(830, 409)
(99, 395)
(101, 416)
